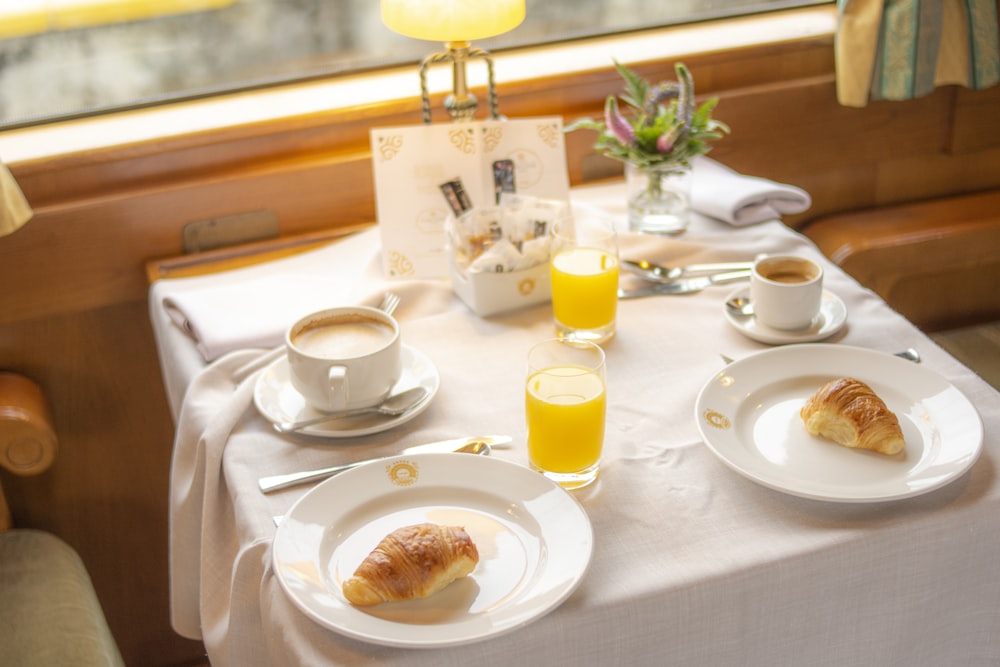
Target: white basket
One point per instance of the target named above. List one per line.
(491, 293)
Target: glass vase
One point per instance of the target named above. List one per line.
(659, 198)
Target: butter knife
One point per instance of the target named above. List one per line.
(276, 482)
(684, 285)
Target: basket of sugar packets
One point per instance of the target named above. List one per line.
(498, 255)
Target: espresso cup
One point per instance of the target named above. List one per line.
(344, 358)
(786, 291)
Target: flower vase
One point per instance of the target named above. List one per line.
(659, 197)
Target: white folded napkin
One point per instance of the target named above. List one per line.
(719, 192)
(247, 314)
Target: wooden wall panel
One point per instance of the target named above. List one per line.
(106, 492)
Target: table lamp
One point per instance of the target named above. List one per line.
(456, 23)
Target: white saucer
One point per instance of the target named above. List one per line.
(278, 400)
(831, 318)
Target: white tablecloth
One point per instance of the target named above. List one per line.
(693, 564)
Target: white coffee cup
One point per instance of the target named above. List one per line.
(344, 358)
(786, 291)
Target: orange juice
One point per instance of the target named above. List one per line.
(584, 288)
(565, 409)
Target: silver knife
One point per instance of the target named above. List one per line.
(684, 285)
(276, 482)
(651, 272)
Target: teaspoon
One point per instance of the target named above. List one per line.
(740, 305)
(393, 406)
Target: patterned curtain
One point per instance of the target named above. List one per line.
(903, 49)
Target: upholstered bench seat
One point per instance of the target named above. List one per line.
(49, 613)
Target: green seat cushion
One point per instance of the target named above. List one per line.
(49, 613)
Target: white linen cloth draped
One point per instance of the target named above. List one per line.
(693, 564)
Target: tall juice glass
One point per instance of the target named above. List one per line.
(565, 405)
(584, 272)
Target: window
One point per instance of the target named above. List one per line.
(62, 58)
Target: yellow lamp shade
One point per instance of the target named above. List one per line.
(452, 20)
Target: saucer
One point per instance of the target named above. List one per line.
(831, 318)
(278, 400)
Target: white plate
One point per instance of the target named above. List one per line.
(534, 543)
(748, 415)
(831, 318)
(278, 400)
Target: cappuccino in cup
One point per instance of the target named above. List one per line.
(344, 358)
(348, 335)
(786, 291)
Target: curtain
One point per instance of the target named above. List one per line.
(903, 49)
(14, 209)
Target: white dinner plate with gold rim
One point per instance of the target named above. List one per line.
(534, 542)
(748, 415)
(278, 401)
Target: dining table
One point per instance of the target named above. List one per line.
(700, 548)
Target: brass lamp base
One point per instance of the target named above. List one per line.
(460, 104)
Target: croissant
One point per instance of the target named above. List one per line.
(412, 562)
(849, 413)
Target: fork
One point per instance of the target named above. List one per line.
(390, 301)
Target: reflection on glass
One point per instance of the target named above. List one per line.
(113, 59)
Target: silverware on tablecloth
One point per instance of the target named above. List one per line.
(473, 445)
(393, 406)
(659, 274)
(909, 354)
(685, 285)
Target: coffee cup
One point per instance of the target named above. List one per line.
(344, 358)
(786, 291)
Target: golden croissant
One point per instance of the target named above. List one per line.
(412, 562)
(851, 414)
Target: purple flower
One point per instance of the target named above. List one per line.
(685, 100)
(617, 124)
(665, 142)
(664, 91)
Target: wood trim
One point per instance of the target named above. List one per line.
(235, 257)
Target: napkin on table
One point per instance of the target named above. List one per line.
(719, 192)
(233, 315)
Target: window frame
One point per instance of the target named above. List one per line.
(392, 95)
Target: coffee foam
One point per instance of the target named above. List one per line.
(344, 336)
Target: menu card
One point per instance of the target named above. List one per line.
(411, 163)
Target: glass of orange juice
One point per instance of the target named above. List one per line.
(584, 272)
(565, 404)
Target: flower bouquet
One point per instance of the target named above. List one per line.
(656, 137)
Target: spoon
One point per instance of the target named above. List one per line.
(393, 406)
(657, 273)
(740, 305)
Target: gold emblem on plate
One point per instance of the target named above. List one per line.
(716, 419)
(526, 286)
(402, 473)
